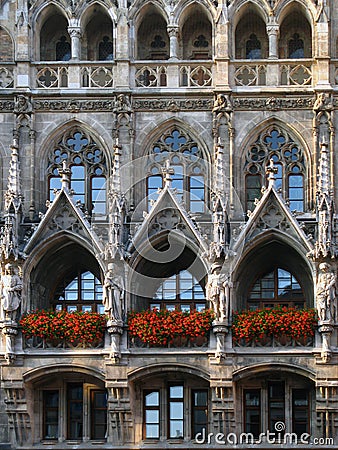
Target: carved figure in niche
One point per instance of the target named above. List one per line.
(22, 104)
(113, 290)
(11, 285)
(122, 104)
(218, 293)
(322, 102)
(326, 296)
(222, 103)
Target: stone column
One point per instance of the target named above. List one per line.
(10, 331)
(75, 36)
(273, 31)
(173, 36)
(115, 330)
(220, 330)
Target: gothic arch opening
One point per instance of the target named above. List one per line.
(295, 35)
(152, 36)
(168, 275)
(273, 273)
(56, 281)
(251, 40)
(7, 46)
(54, 38)
(98, 35)
(196, 35)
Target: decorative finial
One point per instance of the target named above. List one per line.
(271, 170)
(65, 174)
(167, 171)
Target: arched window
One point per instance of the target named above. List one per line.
(278, 287)
(251, 40)
(296, 47)
(253, 48)
(106, 49)
(196, 38)
(7, 48)
(63, 49)
(274, 143)
(186, 161)
(181, 292)
(88, 165)
(152, 36)
(82, 293)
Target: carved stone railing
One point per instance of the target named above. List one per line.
(177, 342)
(6, 76)
(334, 65)
(196, 75)
(250, 74)
(51, 76)
(274, 341)
(296, 74)
(173, 74)
(97, 76)
(38, 343)
(72, 75)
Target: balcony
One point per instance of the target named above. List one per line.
(247, 73)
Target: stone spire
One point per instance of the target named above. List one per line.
(9, 240)
(324, 246)
(271, 170)
(221, 230)
(65, 174)
(114, 248)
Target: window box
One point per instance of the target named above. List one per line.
(274, 327)
(169, 328)
(49, 329)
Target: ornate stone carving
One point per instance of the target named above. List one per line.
(113, 293)
(167, 219)
(22, 104)
(74, 105)
(159, 104)
(218, 294)
(273, 103)
(326, 293)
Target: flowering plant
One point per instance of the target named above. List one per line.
(158, 328)
(82, 327)
(291, 322)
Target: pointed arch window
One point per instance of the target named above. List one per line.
(185, 159)
(82, 293)
(253, 48)
(180, 292)
(277, 287)
(296, 47)
(89, 170)
(63, 49)
(288, 156)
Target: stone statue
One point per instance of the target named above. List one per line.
(322, 102)
(11, 285)
(22, 104)
(222, 103)
(326, 296)
(218, 293)
(122, 104)
(113, 289)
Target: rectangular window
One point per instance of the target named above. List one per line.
(252, 411)
(199, 412)
(78, 183)
(75, 411)
(98, 414)
(300, 411)
(51, 414)
(296, 192)
(253, 190)
(151, 415)
(197, 194)
(276, 403)
(98, 189)
(176, 412)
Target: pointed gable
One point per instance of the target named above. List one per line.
(63, 215)
(168, 214)
(272, 213)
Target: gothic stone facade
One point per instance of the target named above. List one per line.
(176, 154)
